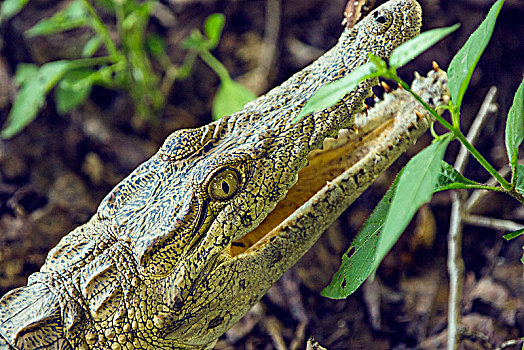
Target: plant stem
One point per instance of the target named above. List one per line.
(99, 27)
(95, 61)
(119, 12)
(459, 135)
(173, 73)
(483, 187)
(215, 64)
(185, 69)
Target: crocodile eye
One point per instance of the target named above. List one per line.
(381, 22)
(224, 184)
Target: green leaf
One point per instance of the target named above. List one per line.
(213, 26)
(107, 76)
(106, 4)
(462, 65)
(329, 94)
(451, 179)
(520, 179)
(415, 187)
(136, 21)
(10, 8)
(156, 45)
(230, 98)
(73, 89)
(513, 234)
(414, 47)
(92, 46)
(356, 267)
(195, 41)
(32, 96)
(74, 16)
(515, 125)
(25, 71)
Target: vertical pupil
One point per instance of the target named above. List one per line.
(225, 187)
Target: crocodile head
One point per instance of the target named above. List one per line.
(198, 215)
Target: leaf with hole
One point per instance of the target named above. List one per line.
(357, 261)
(462, 65)
(415, 187)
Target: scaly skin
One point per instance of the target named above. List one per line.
(168, 260)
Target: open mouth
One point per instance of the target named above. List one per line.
(360, 154)
(324, 165)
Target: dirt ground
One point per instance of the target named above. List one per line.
(54, 174)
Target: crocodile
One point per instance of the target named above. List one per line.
(183, 247)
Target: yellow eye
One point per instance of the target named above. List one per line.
(382, 21)
(224, 184)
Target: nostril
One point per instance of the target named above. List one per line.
(381, 19)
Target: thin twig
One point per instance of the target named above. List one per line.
(455, 261)
(496, 224)
(510, 343)
(266, 60)
(455, 270)
(258, 78)
(274, 328)
(300, 335)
